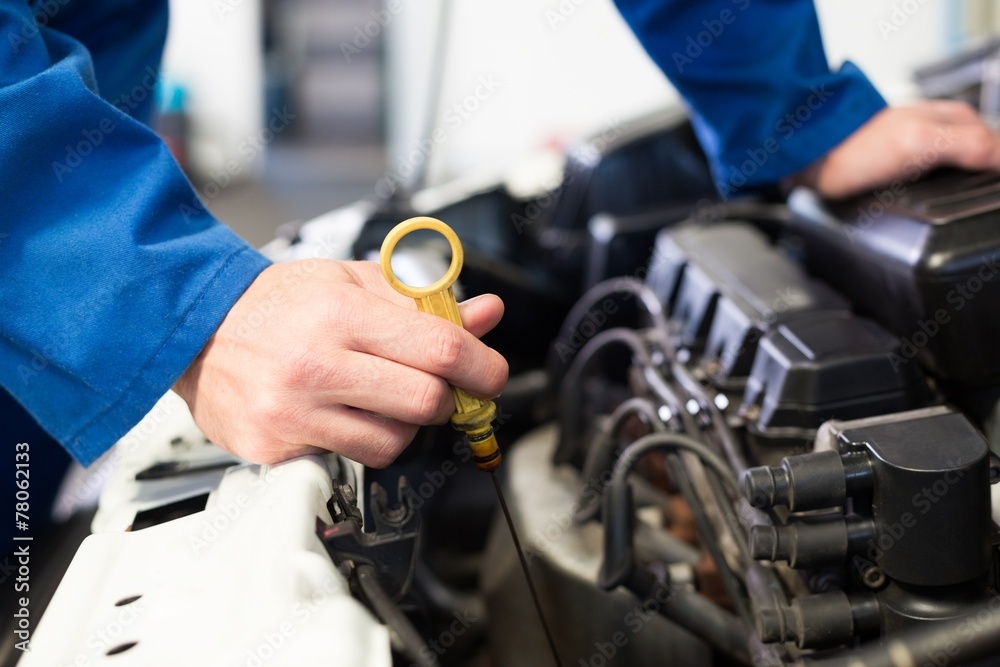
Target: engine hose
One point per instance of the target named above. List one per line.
(577, 314)
(953, 642)
(618, 505)
(411, 643)
(600, 455)
(730, 446)
(673, 441)
(572, 389)
(731, 580)
(696, 613)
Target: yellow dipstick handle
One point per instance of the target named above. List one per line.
(472, 416)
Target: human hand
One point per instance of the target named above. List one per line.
(322, 355)
(904, 143)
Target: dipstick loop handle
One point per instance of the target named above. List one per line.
(473, 416)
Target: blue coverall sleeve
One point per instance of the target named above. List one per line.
(112, 273)
(763, 100)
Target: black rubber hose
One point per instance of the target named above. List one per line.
(601, 454)
(577, 314)
(411, 642)
(572, 389)
(698, 614)
(674, 442)
(619, 567)
(730, 445)
(954, 642)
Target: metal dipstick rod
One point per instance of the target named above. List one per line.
(473, 416)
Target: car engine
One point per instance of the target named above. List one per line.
(755, 432)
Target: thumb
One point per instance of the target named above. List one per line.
(480, 314)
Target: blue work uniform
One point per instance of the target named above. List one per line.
(762, 98)
(115, 275)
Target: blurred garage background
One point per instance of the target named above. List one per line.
(283, 109)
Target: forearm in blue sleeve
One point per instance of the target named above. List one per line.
(114, 275)
(763, 99)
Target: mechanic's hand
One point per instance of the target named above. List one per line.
(904, 143)
(323, 355)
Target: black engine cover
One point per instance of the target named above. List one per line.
(921, 258)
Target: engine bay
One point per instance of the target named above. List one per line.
(736, 433)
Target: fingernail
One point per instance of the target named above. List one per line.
(469, 302)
